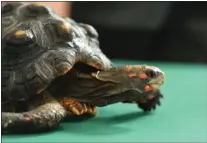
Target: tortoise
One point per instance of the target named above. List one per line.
(53, 67)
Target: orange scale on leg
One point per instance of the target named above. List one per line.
(148, 88)
(26, 118)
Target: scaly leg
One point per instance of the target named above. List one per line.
(77, 108)
(45, 117)
(150, 103)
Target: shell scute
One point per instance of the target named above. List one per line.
(9, 8)
(34, 10)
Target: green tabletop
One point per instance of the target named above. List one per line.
(181, 118)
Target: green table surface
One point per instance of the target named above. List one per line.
(181, 118)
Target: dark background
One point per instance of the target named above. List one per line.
(160, 31)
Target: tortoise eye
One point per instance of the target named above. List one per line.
(151, 73)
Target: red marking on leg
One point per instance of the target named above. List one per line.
(148, 88)
(27, 118)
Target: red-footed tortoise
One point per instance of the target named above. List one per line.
(53, 67)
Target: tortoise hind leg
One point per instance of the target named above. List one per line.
(43, 118)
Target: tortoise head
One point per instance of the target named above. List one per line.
(141, 78)
(133, 83)
(117, 84)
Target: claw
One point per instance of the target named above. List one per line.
(84, 108)
(90, 109)
(78, 108)
(75, 111)
(94, 111)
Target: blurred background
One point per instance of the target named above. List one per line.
(149, 31)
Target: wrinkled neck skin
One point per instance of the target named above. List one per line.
(99, 88)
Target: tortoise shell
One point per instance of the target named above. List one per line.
(38, 46)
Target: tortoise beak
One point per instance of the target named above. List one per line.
(158, 81)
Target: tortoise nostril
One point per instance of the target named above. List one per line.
(151, 73)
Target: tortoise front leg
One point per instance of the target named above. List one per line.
(74, 107)
(45, 117)
(148, 101)
(151, 102)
